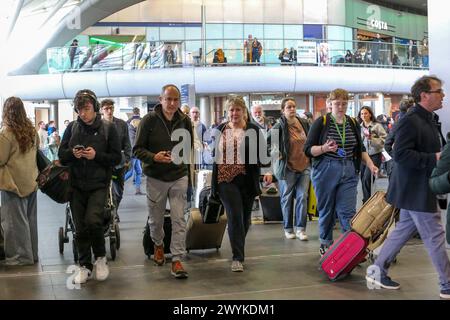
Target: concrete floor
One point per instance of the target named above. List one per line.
(275, 268)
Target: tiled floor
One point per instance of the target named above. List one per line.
(275, 268)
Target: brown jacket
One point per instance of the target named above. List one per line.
(18, 171)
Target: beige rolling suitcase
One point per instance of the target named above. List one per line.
(201, 236)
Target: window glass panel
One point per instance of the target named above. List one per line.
(193, 33)
(233, 31)
(293, 32)
(273, 31)
(172, 33)
(256, 30)
(290, 43)
(233, 44)
(214, 31)
(152, 33)
(234, 56)
(271, 50)
(193, 46)
(211, 46)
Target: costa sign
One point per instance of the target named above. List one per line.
(377, 24)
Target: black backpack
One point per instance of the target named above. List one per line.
(54, 181)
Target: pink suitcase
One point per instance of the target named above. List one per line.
(346, 253)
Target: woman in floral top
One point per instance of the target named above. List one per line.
(235, 177)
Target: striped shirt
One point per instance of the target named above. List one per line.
(350, 140)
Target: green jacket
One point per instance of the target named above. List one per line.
(440, 180)
(154, 135)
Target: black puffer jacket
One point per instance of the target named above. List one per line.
(88, 175)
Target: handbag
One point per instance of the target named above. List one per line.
(41, 160)
(55, 182)
(211, 209)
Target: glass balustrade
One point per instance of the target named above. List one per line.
(234, 52)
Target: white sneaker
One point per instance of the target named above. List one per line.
(236, 266)
(289, 235)
(302, 235)
(101, 269)
(83, 275)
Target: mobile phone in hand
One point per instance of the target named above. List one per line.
(79, 147)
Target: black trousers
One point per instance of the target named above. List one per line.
(88, 212)
(238, 206)
(366, 175)
(118, 184)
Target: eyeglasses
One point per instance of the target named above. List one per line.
(436, 91)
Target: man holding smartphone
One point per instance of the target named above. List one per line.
(91, 148)
(118, 175)
(166, 177)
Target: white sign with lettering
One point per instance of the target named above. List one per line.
(377, 24)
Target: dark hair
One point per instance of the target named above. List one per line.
(369, 109)
(422, 84)
(84, 96)
(107, 102)
(405, 104)
(308, 114)
(15, 118)
(285, 100)
(136, 111)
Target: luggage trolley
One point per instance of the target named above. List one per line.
(111, 226)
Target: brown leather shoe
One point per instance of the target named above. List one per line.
(158, 255)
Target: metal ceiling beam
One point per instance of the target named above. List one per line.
(58, 6)
(17, 10)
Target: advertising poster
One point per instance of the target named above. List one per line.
(306, 52)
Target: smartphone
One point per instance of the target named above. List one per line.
(79, 147)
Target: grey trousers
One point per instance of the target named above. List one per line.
(157, 193)
(432, 234)
(19, 224)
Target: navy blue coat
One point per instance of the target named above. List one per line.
(417, 140)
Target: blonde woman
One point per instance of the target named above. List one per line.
(18, 171)
(236, 172)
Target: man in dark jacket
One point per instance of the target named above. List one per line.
(118, 175)
(167, 176)
(91, 148)
(418, 146)
(136, 168)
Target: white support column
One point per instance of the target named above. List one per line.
(439, 41)
(205, 111)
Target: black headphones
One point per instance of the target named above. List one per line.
(86, 93)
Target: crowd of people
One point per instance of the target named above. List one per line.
(332, 152)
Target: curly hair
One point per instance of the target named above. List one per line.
(338, 94)
(15, 119)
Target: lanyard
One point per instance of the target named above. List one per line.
(342, 136)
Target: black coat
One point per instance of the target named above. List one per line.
(417, 140)
(252, 170)
(89, 175)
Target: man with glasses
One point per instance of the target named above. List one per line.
(118, 174)
(418, 144)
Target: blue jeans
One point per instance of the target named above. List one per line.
(335, 183)
(137, 170)
(238, 206)
(296, 185)
(432, 234)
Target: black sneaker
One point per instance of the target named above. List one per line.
(323, 248)
(385, 283)
(445, 294)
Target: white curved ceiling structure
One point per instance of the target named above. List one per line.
(214, 80)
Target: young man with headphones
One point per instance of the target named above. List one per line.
(91, 147)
